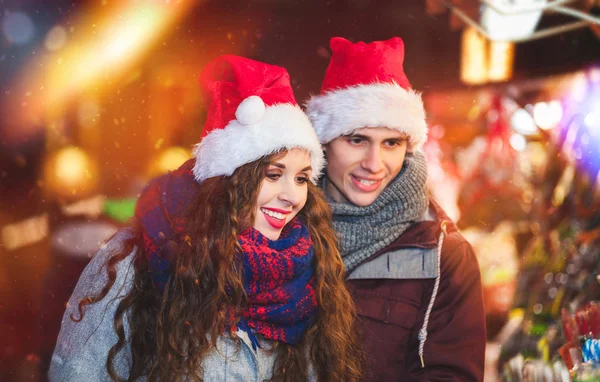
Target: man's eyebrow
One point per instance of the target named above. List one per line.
(367, 138)
(358, 136)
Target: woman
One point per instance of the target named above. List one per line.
(230, 271)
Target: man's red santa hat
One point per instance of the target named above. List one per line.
(365, 86)
(252, 113)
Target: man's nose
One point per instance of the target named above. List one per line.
(373, 160)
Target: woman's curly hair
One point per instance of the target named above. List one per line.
(172, 331)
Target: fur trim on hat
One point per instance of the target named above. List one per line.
(282, 126)
(342, 111)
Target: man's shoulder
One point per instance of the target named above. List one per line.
(454, 241)
(414, 255)
(457, 254)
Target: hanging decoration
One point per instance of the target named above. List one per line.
(483, 60)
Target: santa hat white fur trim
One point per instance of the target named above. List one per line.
(282, 126)
(342, 111)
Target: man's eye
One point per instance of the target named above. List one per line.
(395, 142)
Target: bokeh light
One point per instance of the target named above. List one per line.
(70, 173)
(55, 38)
(518, 142)
(109, 40)
(17, 28)
(579, 129)
(522, 122)
(547, 114)
(169, 159)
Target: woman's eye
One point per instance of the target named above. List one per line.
(273, 176)
(302, 179)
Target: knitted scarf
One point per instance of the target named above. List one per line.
(277, 274)
(160, 211)
(362, 231)
(279, 283)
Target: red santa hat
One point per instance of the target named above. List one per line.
(252, 113)
(365, 86)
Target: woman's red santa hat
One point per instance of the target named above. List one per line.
(365, 86)
(252, 113)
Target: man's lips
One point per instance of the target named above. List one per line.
(365, 185)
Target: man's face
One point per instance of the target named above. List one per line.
(361, 165)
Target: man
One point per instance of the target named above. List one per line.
(415, 280)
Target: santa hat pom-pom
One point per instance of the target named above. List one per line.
(250, 111)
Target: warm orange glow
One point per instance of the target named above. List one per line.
(91, 207)
(70, 172)
(25, 232)
(474, 64)
(501, 59)
(169, 160)
(485, 61)
(71, 165)
(115, 44)
(109, 39)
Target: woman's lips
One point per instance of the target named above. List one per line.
(275, 222)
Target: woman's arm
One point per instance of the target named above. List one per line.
(82, 347)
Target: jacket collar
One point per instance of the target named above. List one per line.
(424, 234)
(413, 255)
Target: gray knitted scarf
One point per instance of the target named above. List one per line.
(362, 231)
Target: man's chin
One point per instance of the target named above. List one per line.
(349, 194)
(363, 199)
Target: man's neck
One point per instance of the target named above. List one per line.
(333, 192)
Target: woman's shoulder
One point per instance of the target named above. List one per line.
(116, 243)
(83, 344)
(95, 274)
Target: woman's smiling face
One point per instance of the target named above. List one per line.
(283, 192)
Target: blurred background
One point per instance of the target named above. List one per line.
(97, 97)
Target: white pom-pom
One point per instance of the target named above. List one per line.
(250, 111)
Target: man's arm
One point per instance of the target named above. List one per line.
(455, 345)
